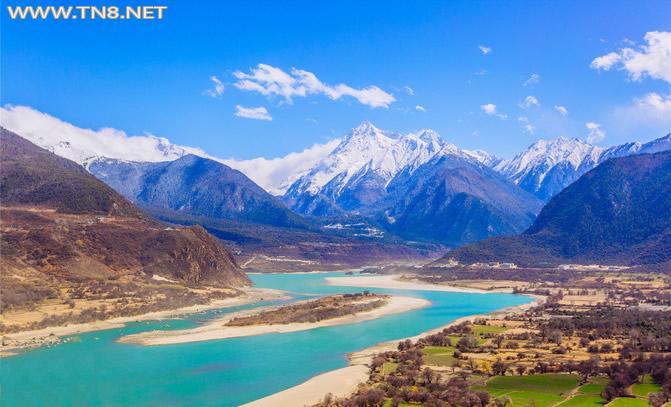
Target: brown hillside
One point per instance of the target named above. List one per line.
(67, 236)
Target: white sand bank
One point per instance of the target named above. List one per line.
(340, 383)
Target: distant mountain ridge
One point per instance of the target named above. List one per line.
(618, 213)
(372, 177)
(197, 186)
(547, 167)
(544, 168)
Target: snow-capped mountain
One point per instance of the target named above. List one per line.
(654, 146)
(547, 167)
(483, 157)
(365, 146)
(415, 185)
(84, 145)
(356, 173)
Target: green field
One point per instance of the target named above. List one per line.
(588, 394)
(628, 402)
(583, 400)
(439, 355)
(539, 390)
(642, 389)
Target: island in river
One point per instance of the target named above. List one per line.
(322, 312)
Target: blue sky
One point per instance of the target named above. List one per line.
(152, 76)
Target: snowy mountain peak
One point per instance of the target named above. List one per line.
(368, 153)
(548, 166)
(559, 147)
(428, 136)
(483, 157)
(365, 129)
(547, 153)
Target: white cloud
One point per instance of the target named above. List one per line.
(561, 109)
(420, 108)
(484, 49)
(490, 110)
(269, 80)
(595, 134)
(276, 175)
(533, 80)
(655, 102)
(652, 59)
(529, 101)
(410, 91)
(256, 113)
(528, 127)
(80, 145)
(605, 62)
(217, 88)
(650, 112)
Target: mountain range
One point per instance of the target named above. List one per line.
(618, 213)
(415, 186)
(256, 225)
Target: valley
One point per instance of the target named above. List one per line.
(463, 203)
(201, 230)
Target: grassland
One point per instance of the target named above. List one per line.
(628, 402)
(539, 390)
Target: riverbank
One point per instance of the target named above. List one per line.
(218, 330)
(345, 381)
(15, 343)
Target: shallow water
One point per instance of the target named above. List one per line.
(94, 370)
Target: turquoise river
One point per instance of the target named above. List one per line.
(92, 369)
